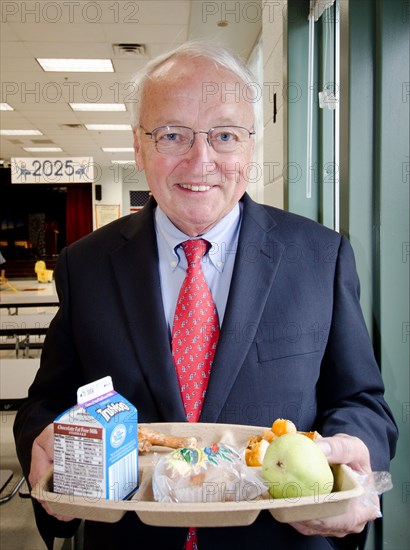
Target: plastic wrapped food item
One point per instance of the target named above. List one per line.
(374, 483)
(208, 474)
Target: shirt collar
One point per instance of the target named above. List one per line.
(223, 236)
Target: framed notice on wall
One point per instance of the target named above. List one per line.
(106, 213)
(52, 170)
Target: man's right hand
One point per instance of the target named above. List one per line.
(42, 457)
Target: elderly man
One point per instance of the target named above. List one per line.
(285, 333)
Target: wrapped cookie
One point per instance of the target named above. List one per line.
(207, 474)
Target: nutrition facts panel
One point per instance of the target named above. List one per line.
(78, 460)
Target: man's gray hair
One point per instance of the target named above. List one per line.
(221, 56)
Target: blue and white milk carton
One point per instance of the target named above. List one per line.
(96, 445)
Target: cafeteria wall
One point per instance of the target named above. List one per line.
(374, 200)
(375, 195)
(116, 182)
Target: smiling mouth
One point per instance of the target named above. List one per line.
(196, 188)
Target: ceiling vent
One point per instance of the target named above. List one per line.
(42, 141)
(72, 126)
(129, 50)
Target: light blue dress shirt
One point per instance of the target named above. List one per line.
(217, 264)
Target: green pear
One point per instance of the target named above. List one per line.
(295, 466)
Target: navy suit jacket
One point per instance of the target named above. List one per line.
(293, 344)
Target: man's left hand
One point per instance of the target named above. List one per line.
(344, 449)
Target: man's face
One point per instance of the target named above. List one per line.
(198, 188)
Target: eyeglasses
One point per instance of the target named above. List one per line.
(178, 140)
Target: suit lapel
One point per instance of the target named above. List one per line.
(135, 265)
(256, 264)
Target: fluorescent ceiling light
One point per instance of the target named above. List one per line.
(77, 65)
(43, 149)
(6, 107)
(118, 149)
(20, 133)
(123, 161)
(98, 106)
(112, 127)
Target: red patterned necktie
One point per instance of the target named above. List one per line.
(195, 332)
(194, 339)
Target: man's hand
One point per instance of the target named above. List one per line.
(42, 457)
(343, 449)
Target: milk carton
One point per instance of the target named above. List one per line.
(96, 445)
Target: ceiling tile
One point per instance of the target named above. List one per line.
(33, 29)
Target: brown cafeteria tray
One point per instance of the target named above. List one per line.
(201, 514)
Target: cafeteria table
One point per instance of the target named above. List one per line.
(26, 310)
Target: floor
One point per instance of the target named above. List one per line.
(18, 530)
